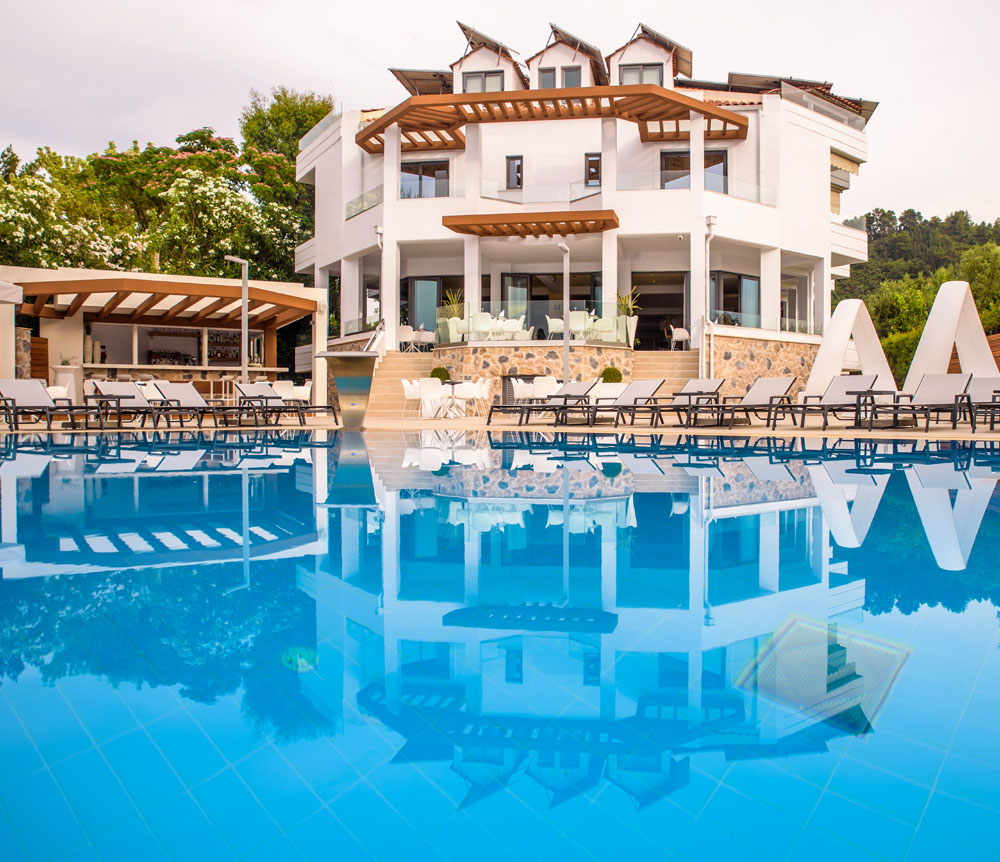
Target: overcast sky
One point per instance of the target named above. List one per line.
(79, 73)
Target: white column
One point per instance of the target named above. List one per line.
(609, 161)
(7, 341)
(135, 344)
(697, 267)
(390, 248)
(768, 562)
(609, 273)
(390, 601)
(473, 178)
(822, 291)
(473, 278)
(473, 541)
(351, 306)
(8, 508)
(321, 335)
(770, 288)
(496, 284)
(351, 523)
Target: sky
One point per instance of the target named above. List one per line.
(81, 73)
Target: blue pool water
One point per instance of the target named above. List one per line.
(518, 646)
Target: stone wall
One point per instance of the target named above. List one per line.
(740, 487)
(22, 353)
(742, 360)
(586, 361)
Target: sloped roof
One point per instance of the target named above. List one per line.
(425, 82)
(683, 58)
(597, 64)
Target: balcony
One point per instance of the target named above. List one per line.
(848, 238)
(305, 255)
(680, 179)
(363, 202)
(537, 194)
(528, 321)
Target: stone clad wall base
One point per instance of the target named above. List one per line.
(742, 360)
(22, 353)
(586, 361)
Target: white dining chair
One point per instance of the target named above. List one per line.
(554, 326)
(432, 393)
(411, 397)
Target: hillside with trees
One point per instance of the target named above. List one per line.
(910, 257)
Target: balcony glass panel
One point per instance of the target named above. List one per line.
(364, 201)
(521, 319)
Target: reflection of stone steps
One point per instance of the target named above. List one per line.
(676, 367)
(386, 400)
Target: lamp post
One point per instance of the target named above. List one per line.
(566, 333)
(710, 223)
(244, 314)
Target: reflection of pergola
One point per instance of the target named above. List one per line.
(429, 123)
(532, 224)
(150, 298)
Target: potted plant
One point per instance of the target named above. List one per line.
(628, 308)
(441, 373)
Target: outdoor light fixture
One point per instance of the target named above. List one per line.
(244, 314)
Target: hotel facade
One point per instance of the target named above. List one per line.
(715, 205)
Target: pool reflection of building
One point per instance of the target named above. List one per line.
(581, 618)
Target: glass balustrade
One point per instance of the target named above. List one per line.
(851, 220)
(681, 179)
(531, 320)
(544, 193)
(359, 324)
(364, 201)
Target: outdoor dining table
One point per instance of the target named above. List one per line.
(450, 408)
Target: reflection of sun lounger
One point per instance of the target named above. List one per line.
(640, 466)
(767, 470)
(180, 461)
(25, 465)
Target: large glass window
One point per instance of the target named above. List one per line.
(641, 73)
(592, 169)
(735, 299)
(423, 179)
(482, 82)
(546, 79)
(571, 76)
(675, 170)
(515, 175)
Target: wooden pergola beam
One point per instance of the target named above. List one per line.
(175, 310)
(146, 304)
(113, 303)
(209, 310)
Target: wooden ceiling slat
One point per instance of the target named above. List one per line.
(236, 312)
(147, 304)
(210, 309)
(76, 304)
(113, 303)
(532, 224)
(40, 300)
(175, 310)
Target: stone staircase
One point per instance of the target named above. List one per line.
(676, 367)
(386, 400)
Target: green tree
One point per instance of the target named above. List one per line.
(277, 123)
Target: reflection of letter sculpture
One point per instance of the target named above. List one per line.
(953, 322)
(849, 524)
(850, 318)
(951, 532)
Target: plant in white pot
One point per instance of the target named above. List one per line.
(628, 308)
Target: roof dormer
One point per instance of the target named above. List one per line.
(649, 58)
(566, 61)
(487, 66)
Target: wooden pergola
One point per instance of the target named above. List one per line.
(144, 299)
(429, 123)
(556, 223)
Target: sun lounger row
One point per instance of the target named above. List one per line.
(114, 404)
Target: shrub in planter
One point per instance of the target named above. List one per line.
(611, 375)
(441, 373)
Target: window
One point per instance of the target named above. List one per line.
(571, 76)
(423, 179)
(644, 73)
(482, 82)
(735, 299)
(513, 666)
(546, 79)
(515, 175)
(675, 170)
(592, 169)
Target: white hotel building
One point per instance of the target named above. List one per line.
(718, 204)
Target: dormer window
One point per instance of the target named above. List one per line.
(482, 82)
(642, 73)
(546, 79)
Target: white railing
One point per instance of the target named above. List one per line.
(534, 194)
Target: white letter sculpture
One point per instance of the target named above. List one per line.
(953, 322)
(849, 318)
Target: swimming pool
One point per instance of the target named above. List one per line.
(451, 645)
